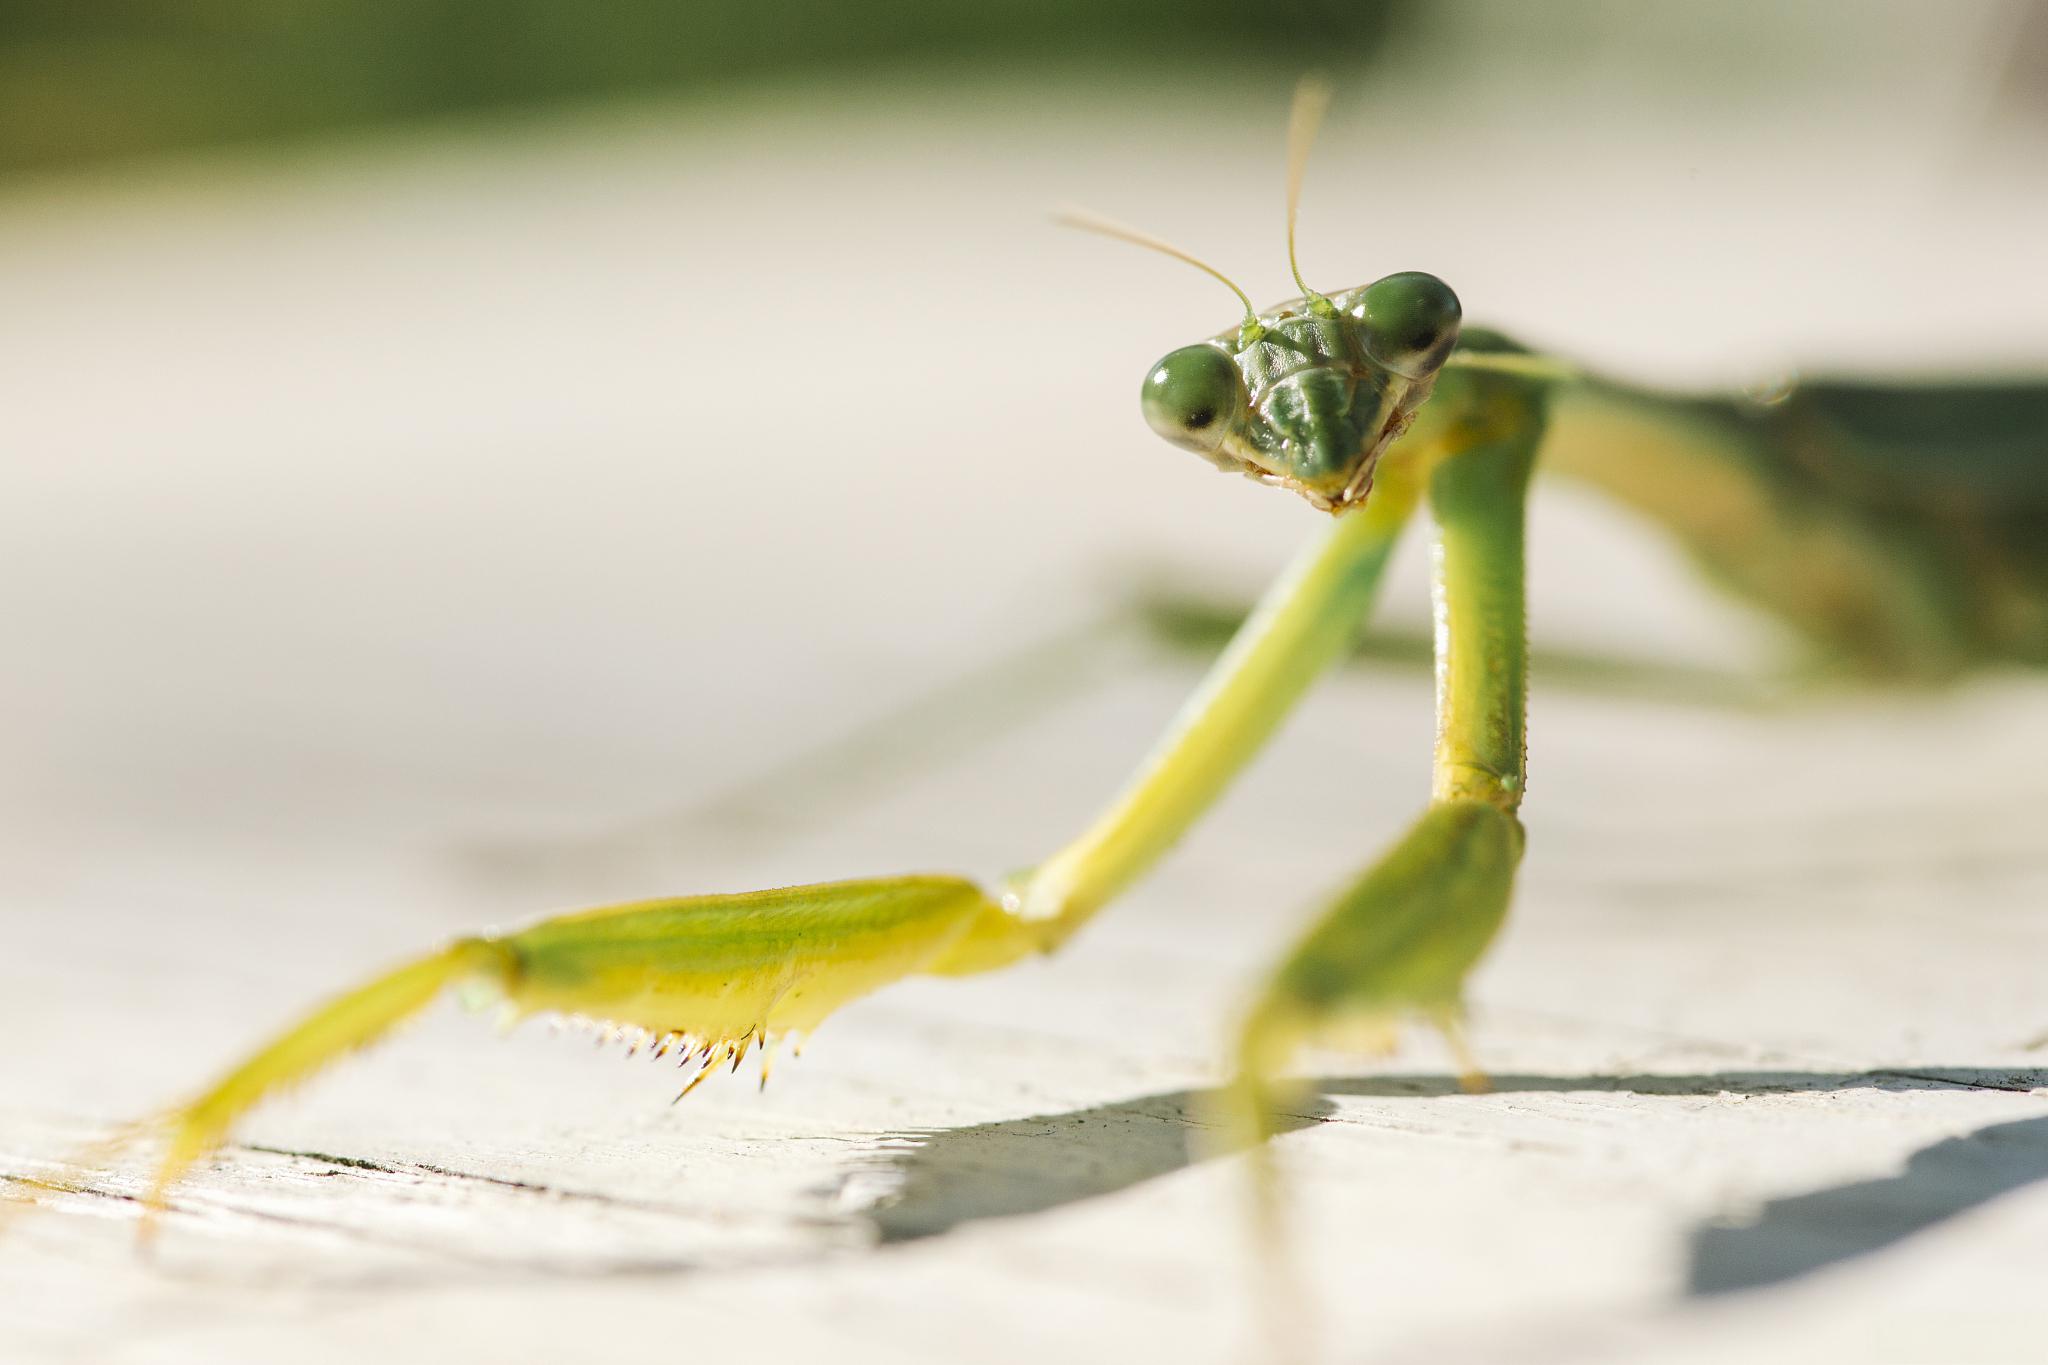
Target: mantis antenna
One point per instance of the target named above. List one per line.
(1107, 227)
(1311, 102)
(1515, 363)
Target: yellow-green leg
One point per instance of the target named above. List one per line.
(1400, 941)
(713, 977)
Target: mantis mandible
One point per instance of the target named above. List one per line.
(1898, 529)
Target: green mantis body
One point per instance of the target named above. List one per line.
(1373, 404)
(1900, 529)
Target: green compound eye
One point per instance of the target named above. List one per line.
(1411, 322)
(1194, 397)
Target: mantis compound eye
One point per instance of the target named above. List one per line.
(1194, 397)
(1411, 322)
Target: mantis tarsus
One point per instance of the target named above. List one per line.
(1899, 529)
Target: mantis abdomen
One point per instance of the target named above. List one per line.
(1901, 528)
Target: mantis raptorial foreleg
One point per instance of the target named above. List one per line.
(1403, 937)
(708, 976)
(716, 975)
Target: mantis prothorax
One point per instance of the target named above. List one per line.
(1371, 403)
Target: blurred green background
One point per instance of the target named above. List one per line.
(86, 81)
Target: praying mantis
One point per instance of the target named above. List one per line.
(1898, 529)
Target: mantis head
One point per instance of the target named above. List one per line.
(1308, 395)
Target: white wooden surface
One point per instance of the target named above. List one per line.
(407, 538)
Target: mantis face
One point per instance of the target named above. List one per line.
(1307, 396)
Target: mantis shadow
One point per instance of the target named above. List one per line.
(932, 1181)
(925, 1182)
(1795, 1236)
